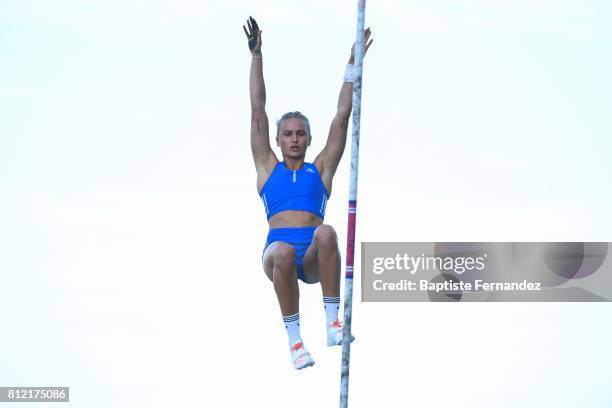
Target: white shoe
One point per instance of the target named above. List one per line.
(300, 357)
(334, 333)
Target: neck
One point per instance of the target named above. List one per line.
(294, 163)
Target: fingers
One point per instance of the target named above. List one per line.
(368, 46)
(367, 41)
(252, 29)
(367, 34)
(254, 24)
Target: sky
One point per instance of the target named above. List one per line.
(131, 230)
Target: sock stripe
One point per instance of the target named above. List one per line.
(291, 318)
(331, 304)
(292, 324)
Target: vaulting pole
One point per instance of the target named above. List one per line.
(352, 207)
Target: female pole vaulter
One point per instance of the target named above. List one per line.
(294, 194)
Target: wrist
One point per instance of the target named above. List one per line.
(349, 75)
(256, 54)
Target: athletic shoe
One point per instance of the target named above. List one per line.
(300, 357)
(334, 333)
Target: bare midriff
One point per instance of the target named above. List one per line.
(292, 218)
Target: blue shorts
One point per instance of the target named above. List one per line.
(299, 238)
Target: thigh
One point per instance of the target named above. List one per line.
(324, 238)
(269, 256)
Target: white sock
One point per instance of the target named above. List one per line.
(292, 324)
(331, 305)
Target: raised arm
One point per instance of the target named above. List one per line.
(327, 161)
(264, 157)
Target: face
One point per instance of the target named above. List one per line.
(293, 138)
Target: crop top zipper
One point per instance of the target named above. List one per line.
(294, 176)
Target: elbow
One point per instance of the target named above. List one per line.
(258, 107)
(258, 100)
(257, 114)
(344, 112)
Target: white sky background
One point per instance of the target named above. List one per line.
(131, 231)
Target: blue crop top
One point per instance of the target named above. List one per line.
(300, 190)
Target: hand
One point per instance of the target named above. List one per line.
(367, 43)
(253, 36)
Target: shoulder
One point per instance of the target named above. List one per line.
(326, 180)
(311, 168)
(318, 163)
(323, 169)
(265, 172)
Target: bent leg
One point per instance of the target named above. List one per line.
(322, 261)
(279, 266)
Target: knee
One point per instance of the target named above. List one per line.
(326, 237)
(283, 258)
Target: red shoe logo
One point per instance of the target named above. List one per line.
(297, 346)
(336, 324)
